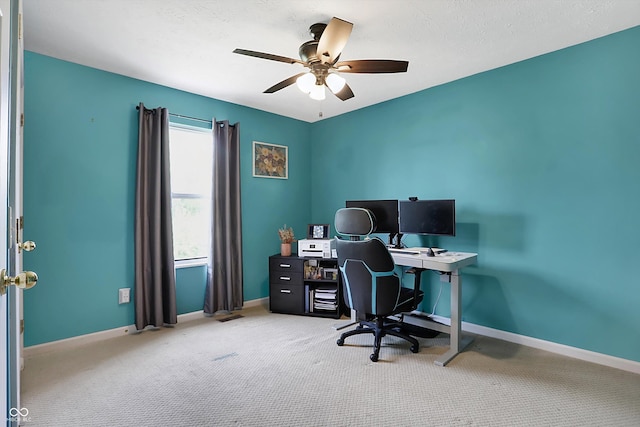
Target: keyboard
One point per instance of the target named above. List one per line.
(416, 251)
(403, 251)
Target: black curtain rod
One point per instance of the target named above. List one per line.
(183, 117)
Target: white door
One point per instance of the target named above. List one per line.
(10, 217)
(5, 13)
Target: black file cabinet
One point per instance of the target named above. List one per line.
(304, 286)
(286, 287)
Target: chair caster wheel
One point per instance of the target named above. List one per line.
(414, 349)
(340, 342)
(374, 357)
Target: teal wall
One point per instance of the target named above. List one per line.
(190, 287)
(542, 157)
(80, 157)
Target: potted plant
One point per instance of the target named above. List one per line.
(286, 238)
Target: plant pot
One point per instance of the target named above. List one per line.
(285, 249)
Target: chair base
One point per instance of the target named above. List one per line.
(379, 327)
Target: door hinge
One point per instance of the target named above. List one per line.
(22, 120)
(19, 226)
(19, 26)
(22, 326)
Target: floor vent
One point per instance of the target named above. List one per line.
(232, 317)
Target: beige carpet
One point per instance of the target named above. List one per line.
(277, 370)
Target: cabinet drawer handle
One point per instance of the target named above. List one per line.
(285, 265)
(285, 278)
(285, 291)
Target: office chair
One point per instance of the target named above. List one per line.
(371, 286)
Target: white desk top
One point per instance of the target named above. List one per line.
(448, 261)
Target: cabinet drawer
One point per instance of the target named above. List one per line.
(292, 264)
(286, 299)
(292, 278)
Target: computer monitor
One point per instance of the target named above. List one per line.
(432, 217)
(385, 211)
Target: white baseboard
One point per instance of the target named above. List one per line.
(77, 341)
(111, 333)
(257, 302)
(565, 350)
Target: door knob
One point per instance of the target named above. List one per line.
(27, 246)
(24, 280)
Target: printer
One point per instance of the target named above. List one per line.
(316, 248)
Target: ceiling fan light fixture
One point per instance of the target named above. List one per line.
(335, 82)
(317, 92)
(320, 56)
(306, 82)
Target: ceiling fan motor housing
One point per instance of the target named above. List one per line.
(316, 30)
(308, 51)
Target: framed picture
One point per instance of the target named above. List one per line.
(270, 160)
(318, 231)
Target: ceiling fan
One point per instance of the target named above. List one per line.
(321, 56)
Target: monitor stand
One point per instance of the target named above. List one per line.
(398, 238)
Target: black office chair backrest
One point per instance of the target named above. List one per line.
(355, 222)
(366, 266)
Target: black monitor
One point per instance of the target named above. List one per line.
(433, 217)
(385, 211)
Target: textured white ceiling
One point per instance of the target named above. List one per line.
(188, 44)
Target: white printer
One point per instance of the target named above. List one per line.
(316, 248)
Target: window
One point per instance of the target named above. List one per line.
(191, 151)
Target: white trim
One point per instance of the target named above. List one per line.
(116, 332)
(256, 302)
(187, 317)
(76, 341)
(565, 350)
(187, 263)
(191, 128)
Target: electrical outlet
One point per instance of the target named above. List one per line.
(123, 296)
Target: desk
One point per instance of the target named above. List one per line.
(450, 263)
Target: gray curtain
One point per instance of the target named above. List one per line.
(224, 272)
(155, 287)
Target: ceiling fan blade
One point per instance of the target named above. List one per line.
(372, 66)
(333, 39)
(268, 56)
(286, 82)
(344, 93)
